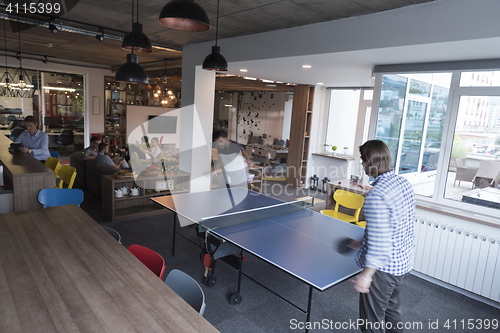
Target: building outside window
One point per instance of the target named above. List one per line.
(443, 131)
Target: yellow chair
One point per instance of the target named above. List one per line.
(349, 200)
(53, 163)
(67, 175)
(362, 224)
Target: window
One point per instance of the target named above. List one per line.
(444, 138)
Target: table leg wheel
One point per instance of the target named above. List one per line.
(210, 280)
(235, 298)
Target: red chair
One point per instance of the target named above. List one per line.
(149, 258)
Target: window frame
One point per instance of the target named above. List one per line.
(449, 126)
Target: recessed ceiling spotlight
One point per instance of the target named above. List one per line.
(250, 78)
(243, 70)
(306, 66)
(53, 28)
(319, 83)
(267, 81)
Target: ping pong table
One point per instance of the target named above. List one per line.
(298, 241)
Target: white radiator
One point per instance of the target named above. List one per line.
(458, 257)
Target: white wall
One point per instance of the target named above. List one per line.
(262, 113)
(139, 115)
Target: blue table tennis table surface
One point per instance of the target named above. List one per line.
(302, 243)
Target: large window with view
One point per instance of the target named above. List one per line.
(443, 130)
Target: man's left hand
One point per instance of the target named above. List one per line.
(362, 284)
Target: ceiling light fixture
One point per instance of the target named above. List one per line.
(23, 82)
(243, 70)
(53, 28)
(164, 78)
(184, 15)
(136, 40)
(100, 36)
(215, 61)
(306, 66)
(131, 71)
(6, 77)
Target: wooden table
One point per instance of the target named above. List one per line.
(61, 272)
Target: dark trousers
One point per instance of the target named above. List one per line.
(380, 309)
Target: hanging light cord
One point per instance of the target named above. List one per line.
(19, 30)
(217, 24)
(137, 12)
(5, 43)
(133, 26)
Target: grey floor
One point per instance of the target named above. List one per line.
(261, 311)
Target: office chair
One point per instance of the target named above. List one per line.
(349, 200)
(15, 133)
(149, 258)
(51, 197)
(66, 138)
(187, 288)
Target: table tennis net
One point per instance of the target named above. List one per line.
(231, 219)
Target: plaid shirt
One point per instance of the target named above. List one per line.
(390, 214)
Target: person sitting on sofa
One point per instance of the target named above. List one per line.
(154, 150)
(103, 158)
(91, 151)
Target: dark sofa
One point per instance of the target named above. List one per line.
(89, 173)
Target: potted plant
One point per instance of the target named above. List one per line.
(334, 148)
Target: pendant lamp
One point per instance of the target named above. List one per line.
(23, 86)
(131, 71)
(184, 15)
(6, 78)
(215, 61)
(136, 40)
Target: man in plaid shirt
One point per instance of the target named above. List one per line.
(386, 253)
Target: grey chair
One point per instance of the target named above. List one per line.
(187, 288)
(113, 233)
(464, 173)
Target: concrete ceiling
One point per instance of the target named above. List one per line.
(237, 18)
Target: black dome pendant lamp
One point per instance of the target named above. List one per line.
(136, 40)
(215, 61)
(184, 15)
(131, 71)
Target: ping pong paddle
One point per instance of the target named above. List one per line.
(343, 246)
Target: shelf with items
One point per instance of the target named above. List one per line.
(300, 131)
(116, 208)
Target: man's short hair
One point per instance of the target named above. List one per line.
(95, 139)
(377, 156)
(102, 146)
(30, 119)
(219, 134)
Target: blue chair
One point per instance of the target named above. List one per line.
(50, 197)
(54, 153)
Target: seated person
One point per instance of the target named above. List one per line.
(33, 140)
(103, 158)
(153, 150)
(91, 151)
(226, 146)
